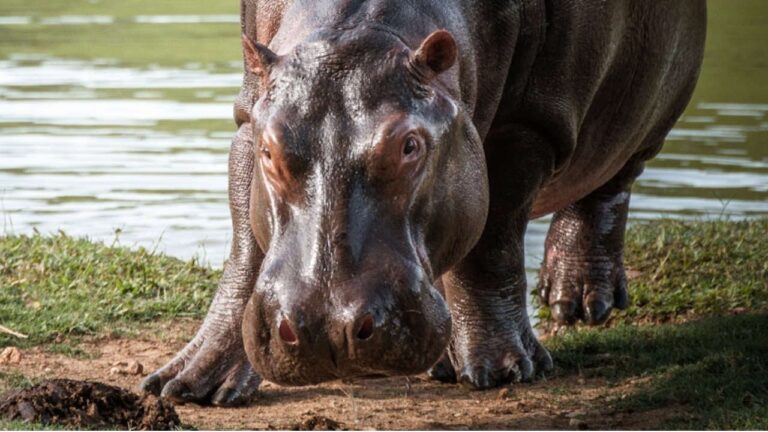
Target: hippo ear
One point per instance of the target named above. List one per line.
(258, 58)
(437, 53)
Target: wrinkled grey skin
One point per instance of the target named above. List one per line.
(351, 259)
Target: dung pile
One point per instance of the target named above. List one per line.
(87, 405)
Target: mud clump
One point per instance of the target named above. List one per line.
(87, 405)
(127, 368)
(10, 355)
(318, 423)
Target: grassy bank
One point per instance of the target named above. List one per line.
(689, 270)
(53, 288)
(699, 286)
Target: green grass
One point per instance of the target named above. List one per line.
(715, 368)
(59, 285)
(696, 268)
(24, 426)
(13, 380)
(691, 269)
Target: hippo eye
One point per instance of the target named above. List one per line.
(411, 146)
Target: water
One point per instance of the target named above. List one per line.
(118, 116)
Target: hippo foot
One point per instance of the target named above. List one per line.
(513, 354)
(583, 272)
(583, 288)
(212, 369)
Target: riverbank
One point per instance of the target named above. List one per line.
(689, 353)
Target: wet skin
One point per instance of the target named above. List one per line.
(387, 161)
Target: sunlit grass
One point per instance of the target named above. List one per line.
(697, 268)
(59, 285)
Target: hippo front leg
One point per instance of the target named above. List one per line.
(213, 367)
(492, 340)
(582, 276)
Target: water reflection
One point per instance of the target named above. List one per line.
(25, 72)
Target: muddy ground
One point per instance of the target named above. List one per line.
(557, 402)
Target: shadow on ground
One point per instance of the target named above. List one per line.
(717, 367)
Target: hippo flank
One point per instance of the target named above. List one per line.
(388, 157)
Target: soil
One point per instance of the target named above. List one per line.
(83, 404)
(558, 402)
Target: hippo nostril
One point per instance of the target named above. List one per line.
(366, 328)
(286, 333)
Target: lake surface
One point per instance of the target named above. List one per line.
(118, 116)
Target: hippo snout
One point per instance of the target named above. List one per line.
(297, 333)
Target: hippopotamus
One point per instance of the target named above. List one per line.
(388, 157)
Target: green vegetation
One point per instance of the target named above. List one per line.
(715, 368)
(695, 269)
(24, 426)
(13, 380)
(59, 285)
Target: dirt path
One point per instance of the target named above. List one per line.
(396, 403)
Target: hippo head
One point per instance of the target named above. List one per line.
(369, 183)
